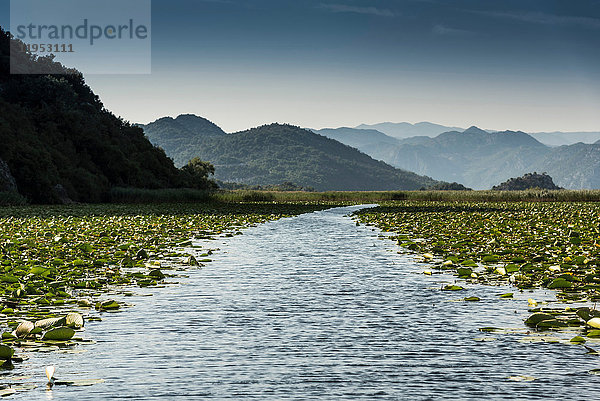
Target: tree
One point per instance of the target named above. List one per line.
(199, 172)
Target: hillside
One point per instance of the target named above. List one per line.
(174, 135)
(276, 153)
(59, 142)
(364, 139)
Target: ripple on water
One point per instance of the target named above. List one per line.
(316, 308)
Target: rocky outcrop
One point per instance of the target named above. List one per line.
(528, 181)
(7, 181)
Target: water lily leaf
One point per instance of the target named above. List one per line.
(452, 288)
(560, 283)
(6, 352)
(490, 259)
(108, 305)
(536, 318)
(157, 274)
(577, 340)
(593, 334)
(7, 335)
(37, 270)
(472, 299)
(507, 295)
(59, 334)
(463, 271)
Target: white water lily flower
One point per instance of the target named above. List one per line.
(50, 373)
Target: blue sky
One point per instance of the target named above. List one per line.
(530, 65)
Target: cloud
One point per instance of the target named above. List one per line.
(545, 19)
(447, 31)
(343, 8)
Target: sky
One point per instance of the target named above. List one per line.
(531, 65)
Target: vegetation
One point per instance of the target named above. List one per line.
(177, 135)
(528, 181)
(530, 245)
(58, 263)
(283, 187)
(272, 154)
(447, 186)
(57, 136)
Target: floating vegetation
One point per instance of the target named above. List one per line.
(523, 244)
(59, 264)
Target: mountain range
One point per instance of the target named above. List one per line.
(407, 130)
(276, 153)
(480, 159)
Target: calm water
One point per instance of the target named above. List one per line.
(315, 308)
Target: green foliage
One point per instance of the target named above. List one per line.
(528, 181)
(528, 244)
(55, 131)
(11, 198)
(272, 154)
(199, 172)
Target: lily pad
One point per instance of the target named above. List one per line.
(59, 334)
(453, 288)
(560, 283)
(6, 352)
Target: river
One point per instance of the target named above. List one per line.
(315, 308)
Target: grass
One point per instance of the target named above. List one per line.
(151, 196)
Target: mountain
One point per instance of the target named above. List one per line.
(480, 159)
(528, 181)
(367, 140)
(59, 142)
(574, 166)
(273, 154)
(566, 138)
(407, 130)
(175, 135)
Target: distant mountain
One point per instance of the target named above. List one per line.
(59, 143)
(367, 140)
(480, 159)
(574, 167)
(528, 181)
(273, 154)
(566, 138)
(407, 130)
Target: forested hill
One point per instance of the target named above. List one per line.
(175, 135)
(58, 139)
(277, 153)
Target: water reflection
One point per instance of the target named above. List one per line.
(316, 308)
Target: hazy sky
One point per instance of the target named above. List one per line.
(529, 65)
